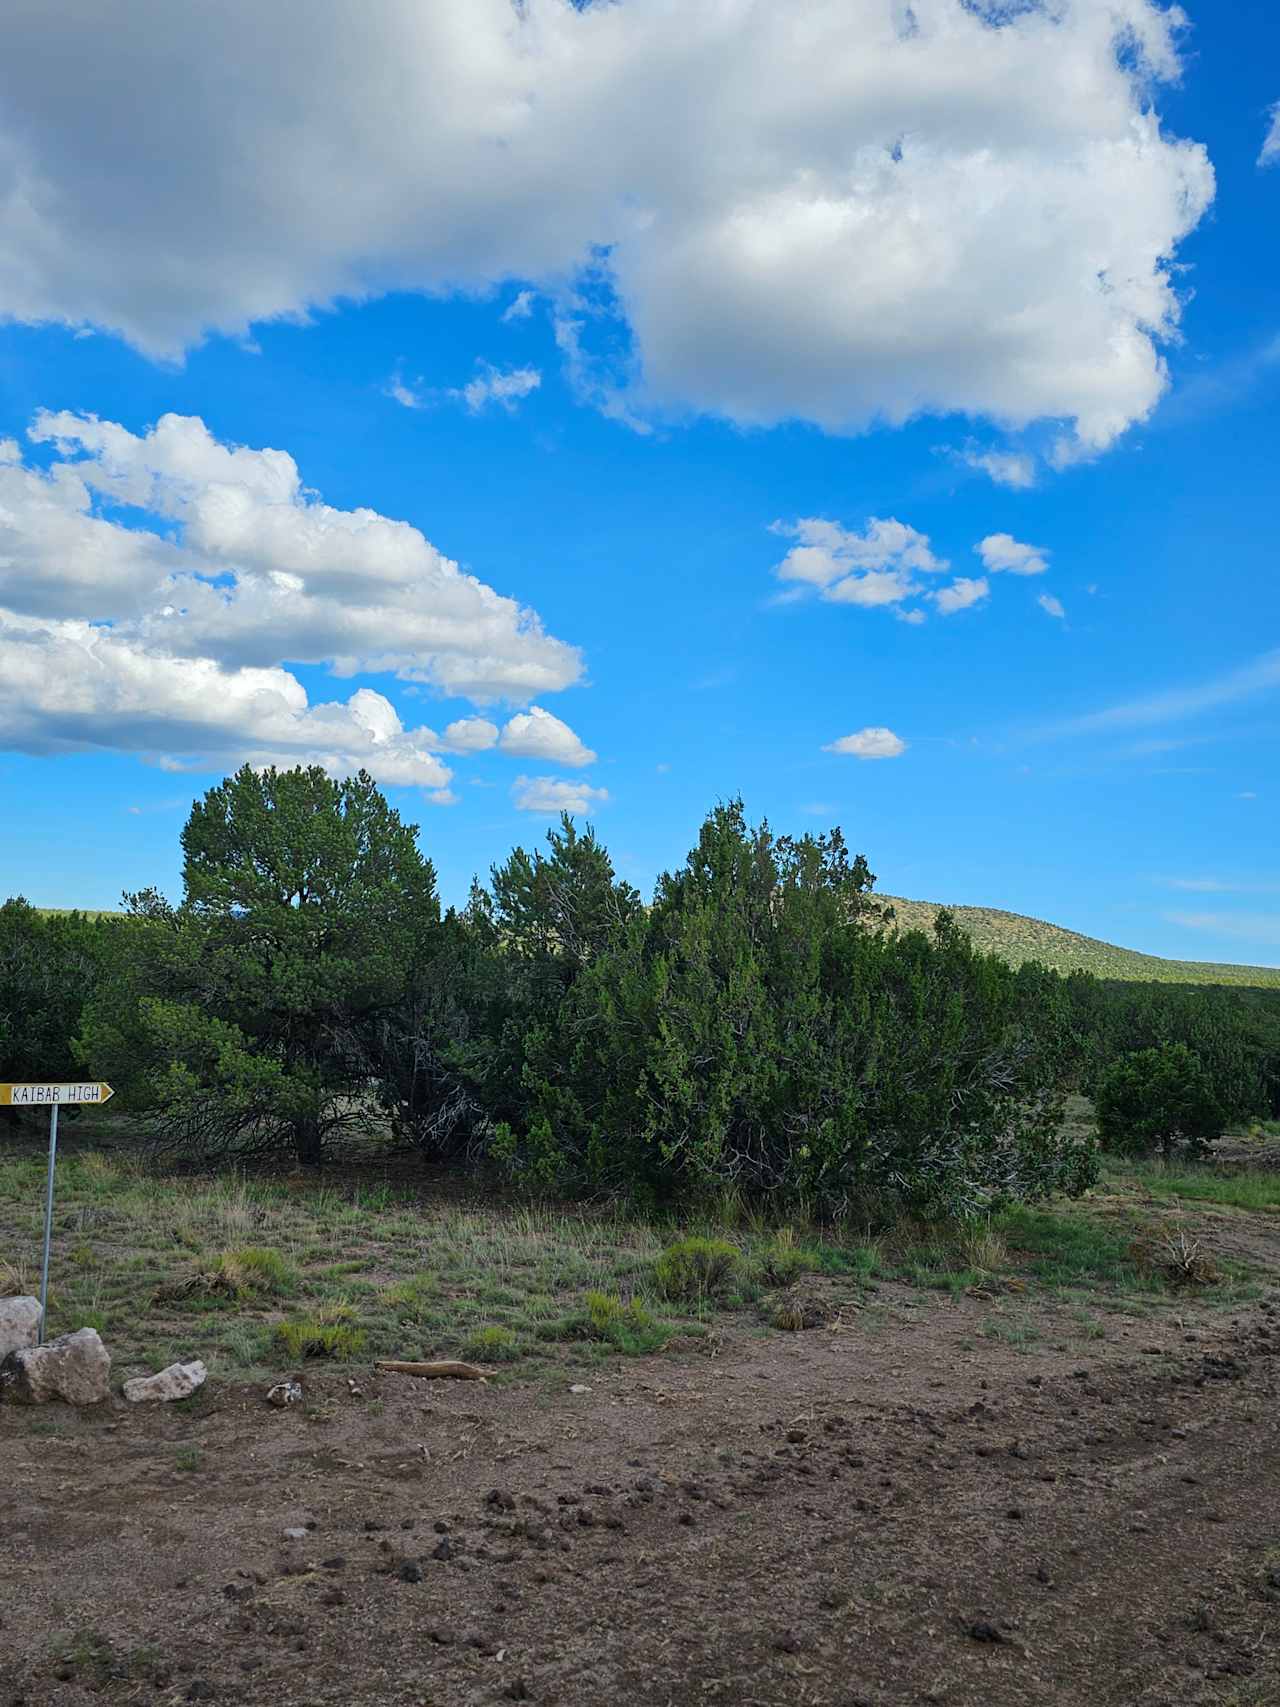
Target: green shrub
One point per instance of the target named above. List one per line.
(782, 1261)
(256, 1269)
(696, 1268)
(629, 1327)
(328, 1333)
(755, 1030)
(413, 1298)
(1155, 1099)
(491, 1345)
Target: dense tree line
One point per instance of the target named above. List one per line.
(757, 1027)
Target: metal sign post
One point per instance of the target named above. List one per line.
(52, 1097)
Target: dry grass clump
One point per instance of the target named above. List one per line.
(247, 1273)
(1176, 1258)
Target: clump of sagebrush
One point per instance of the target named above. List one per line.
(695, 1269)
(329, 1332)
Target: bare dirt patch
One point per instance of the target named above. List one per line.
(901, 1509)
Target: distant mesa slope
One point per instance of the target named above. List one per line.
(1016, 938)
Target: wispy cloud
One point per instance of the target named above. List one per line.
(1247, 927)
(1218, 886)
(1270, 155)
(1247, 682)
(1052, 606)
(1225, 385)
(551, 795)
(149, 806)
(503, 386)
(519, 308)
(1011, 468)
(408, 396)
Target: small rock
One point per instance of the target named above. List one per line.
(178, 1381)
(19, 1324)
(74, 1368)
(410, 1572)
(579, 1388)
(295, 1533)
(333, 1597)
(984, 1631)
(337, 1563)
(285, 1393)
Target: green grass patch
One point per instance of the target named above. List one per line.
(1064, 1248)
(330, 1332)
(1248, 1189)
(491, 1345)
(696, 1269)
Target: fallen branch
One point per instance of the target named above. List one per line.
(432, 1371)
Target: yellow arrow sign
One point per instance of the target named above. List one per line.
(40, 1096)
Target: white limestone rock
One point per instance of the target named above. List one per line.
(19, 1324)
(178, 1381)
(74, 1368)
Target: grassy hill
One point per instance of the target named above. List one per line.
(1016, 938)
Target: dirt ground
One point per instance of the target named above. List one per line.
(892, 1510)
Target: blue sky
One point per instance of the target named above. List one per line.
(664, 380)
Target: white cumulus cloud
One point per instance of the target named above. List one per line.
(855, 213)
(551, 794)
(471, 735)
(171, 644)
(536, 734)
(963, 592)
(68, 686)
(349, 588)
(1001, 551)
(870, 743)
(875, 567)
